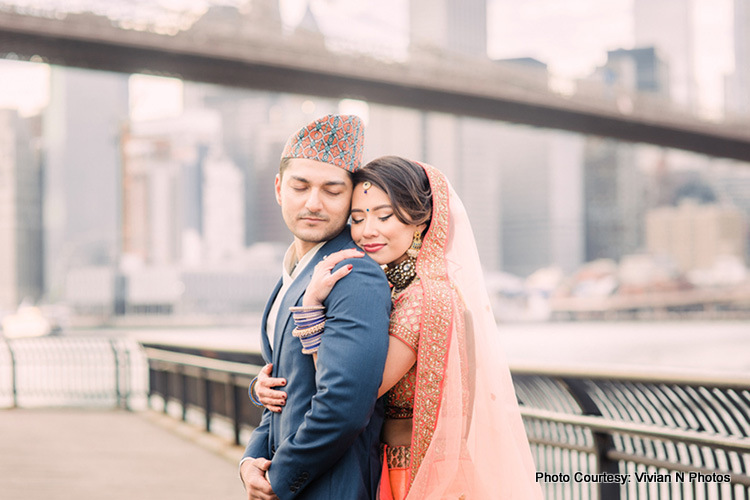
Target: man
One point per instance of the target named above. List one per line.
(324, 445)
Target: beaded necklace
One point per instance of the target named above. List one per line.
(402, 274)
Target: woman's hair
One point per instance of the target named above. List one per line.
(406, 185)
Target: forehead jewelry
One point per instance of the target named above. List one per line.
(366, 185)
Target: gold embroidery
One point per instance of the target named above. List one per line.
(437, 309)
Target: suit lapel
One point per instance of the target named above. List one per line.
(284, 318)
(265, 344)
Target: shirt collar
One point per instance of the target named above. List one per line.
(292, 267)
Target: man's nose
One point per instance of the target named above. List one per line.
(313, 203)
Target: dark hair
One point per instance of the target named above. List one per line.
(406, 185)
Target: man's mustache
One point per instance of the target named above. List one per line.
(312, 215)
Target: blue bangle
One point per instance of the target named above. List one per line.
(253, 398)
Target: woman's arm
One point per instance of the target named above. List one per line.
(399, 361)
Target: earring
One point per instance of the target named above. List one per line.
(416, 244)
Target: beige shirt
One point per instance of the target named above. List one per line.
(291, 269)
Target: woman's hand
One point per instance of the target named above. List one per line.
(264, 389)
(323, 279)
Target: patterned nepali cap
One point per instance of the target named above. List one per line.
(334, 139)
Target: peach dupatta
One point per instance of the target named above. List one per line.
(468, 439)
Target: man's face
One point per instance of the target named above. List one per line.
(315, 199)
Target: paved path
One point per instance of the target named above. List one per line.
(115, 455)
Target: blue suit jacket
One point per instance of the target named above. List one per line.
(325, 442)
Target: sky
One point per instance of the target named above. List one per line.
(572, 37)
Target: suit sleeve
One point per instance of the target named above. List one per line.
(351, 359)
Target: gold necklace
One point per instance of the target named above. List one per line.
(402, 274)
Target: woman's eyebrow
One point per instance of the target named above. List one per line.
(379, 207)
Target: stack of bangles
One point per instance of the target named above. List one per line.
(310, 321)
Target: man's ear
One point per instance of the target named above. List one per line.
(277, 186)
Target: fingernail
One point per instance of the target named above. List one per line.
(349, 267)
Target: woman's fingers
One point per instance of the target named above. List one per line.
(340, 273)
(330, 261)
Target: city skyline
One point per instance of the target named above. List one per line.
(536, 197)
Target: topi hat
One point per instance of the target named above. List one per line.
(334, 139)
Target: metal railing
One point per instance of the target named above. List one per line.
(629, 434)
(595, 434)
(72, 371)
(216, 389)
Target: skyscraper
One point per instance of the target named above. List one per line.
(615, 185)
(738, 84)
(668, 26)
(82, 128)
(21, 252)
(458, 26)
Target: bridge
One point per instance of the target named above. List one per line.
(258, 55)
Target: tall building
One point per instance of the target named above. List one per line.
(697, 235)
(616, 188)
(737, 95)
(223, 209)
(21, 251)
(668, 25)
(172, 170)
(82, 128)
(614, 197)
(541, 199)
(458, 26)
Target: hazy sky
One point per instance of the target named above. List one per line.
(571, 36)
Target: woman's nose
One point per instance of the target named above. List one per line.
(370, 230)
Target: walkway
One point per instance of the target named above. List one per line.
(69, 454)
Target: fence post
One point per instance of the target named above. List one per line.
(116, 355)
(238, 398)
(603, 441)
(13, 374)
(208, 398)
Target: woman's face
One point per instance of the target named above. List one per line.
(376, 229)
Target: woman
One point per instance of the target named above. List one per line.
(452, 428)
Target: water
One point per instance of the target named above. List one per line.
(722, 346)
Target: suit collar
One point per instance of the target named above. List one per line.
(298, 287)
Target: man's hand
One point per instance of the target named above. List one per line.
(253, 475)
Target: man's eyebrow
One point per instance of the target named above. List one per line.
(328, 183)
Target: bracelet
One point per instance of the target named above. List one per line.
(311, 344)
(253, 397)
(310, 337)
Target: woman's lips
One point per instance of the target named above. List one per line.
(373, 247)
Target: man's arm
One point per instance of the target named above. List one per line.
(351, 359)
